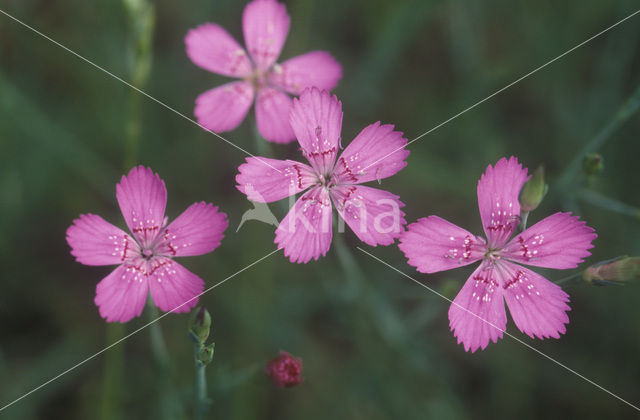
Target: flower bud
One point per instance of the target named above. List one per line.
(285, 370)
(593, 164)
(205, 355)
(618, 270)
(533, 191)
(200, 325)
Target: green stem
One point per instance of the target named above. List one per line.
(345, 256)
(375, 304)
(111, 397)
(354, 279)
(141, 22)
(263, 147)
(523, 221)
(607, 203)
(158, 345)
(569, 278)
(168, 404)
(201, 400)
(627, 110)
(133, 130)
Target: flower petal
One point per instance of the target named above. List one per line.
(121, 295)
(537, 306)
(557, 241)
(198, 230)
(376, 153)
(374, 215)
(265, 24)
(142, 196)
(315, 68)
(498, 191)
(173, 287)
(305, 232)
(94, 241)
(211, 47)
(223, 108)
(259, 180)
(433, 244)
(316, 119)
(272, 115)
(477, 314)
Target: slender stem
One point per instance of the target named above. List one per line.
(628, 109)
(376, 305)
(201, 384)
(607, 203)
(345, 256)
(569, 278)
(158, 345)
(201, 401)
(111, 397)
(354, 281)
(133, 129)
(523, 221)
(168, 405)
(141, 22)
(263, 147)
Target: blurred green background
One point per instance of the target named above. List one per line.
(374, 345)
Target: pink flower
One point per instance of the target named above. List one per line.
(265, 24)
(285, 370)
(538, 307)
(374, 215)
(145, 259)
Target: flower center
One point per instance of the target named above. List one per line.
(492, 255)
(327, 180)
(323, 180)
(258, 78)
(147, 254)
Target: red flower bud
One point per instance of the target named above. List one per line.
(285, 370)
